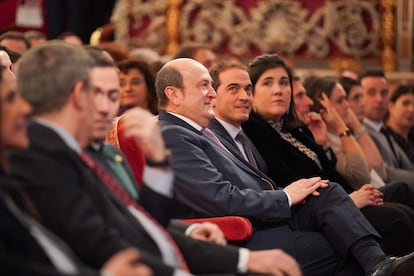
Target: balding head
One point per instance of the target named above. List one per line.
(183, 86)
(172, 74)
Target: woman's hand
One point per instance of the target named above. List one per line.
(367, 195)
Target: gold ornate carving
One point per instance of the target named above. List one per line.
(173, 18)
(388, 55)
(147, 16)
(283, 26)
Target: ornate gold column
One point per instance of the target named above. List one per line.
(388, 54)
(404, 33)
(172, 25)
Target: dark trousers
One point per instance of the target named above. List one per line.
(395, 223)
(398, 192)
(319, 234)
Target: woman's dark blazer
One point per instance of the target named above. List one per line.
(285, 162)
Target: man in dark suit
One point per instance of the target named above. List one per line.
(76, 198)
(27, 248)
(211, 181)
(148, 135)
(375, 97)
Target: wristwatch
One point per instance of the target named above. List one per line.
(358, 134)
(345, 133)
(166, 162)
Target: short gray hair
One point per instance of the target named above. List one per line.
(47, 74)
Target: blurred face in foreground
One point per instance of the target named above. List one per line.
(14, 110)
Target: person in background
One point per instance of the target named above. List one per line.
(15, 41)
(199, 52)
(137, 86)
(398, 167)
(71, 38)
(400, 118)
(35, 37)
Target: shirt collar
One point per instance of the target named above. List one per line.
(231, 129)
(375, 125)
(68, 138)
(187, 120)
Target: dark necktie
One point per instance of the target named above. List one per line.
(387, 135)
(115, 162)
(242, 138)
(114, 187)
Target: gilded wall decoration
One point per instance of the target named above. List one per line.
(147, 16)
(285, 26)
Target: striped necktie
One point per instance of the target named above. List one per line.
(145, 218)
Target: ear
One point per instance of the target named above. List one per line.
(78, 95)
(173, 94)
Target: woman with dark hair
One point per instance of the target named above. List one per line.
(329, 98)
(400, 118)
(137, 86)
(291, 152)
(353, 117)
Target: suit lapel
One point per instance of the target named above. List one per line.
(166, 119)
(230, 144)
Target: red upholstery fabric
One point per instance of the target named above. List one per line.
(132, 152)
(234, 228)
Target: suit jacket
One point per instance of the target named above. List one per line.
(230, 144)
(220, 191)
(398, 170)
(285, 162)
(76, 205)
(20, 252)
(162, 217)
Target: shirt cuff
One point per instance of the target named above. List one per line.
(289, 199)
(190, 228)
(243, 260)
(179, 272)
(160, 181)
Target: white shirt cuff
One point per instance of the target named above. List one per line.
(243, 260)
(190, 228)
(288, 198)
(179, 272)
(160, 181)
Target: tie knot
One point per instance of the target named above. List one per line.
(207, 132)
(384, 130)
(241, 137)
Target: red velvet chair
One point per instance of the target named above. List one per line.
(234, 228)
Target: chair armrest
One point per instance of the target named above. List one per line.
(234, 228)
